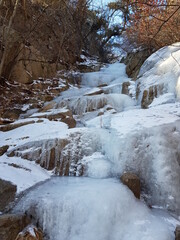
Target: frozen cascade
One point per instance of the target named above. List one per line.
(152, 154)
(86, 104)
(145, 142)
(63, 156)
(84, 208)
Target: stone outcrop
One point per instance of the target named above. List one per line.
(134, 61)
(30, 233)
(31, 65)
(177, 233)
(150, 94)
(9, 127)
(3, 149)
(64, 116)
(11, 225)
(7, 194)
(132, 182)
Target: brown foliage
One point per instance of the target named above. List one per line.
(154, 23)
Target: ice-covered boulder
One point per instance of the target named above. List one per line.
(159, 74)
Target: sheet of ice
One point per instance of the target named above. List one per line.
(21, 172)
(83, 208)
(113, 73)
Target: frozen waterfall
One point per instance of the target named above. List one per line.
(72, 208)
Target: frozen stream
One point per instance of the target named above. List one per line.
(113, 135)
(71, 208)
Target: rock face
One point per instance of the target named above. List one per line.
(11, 225)
(34, 65)
(177, 233)
(30, 233)
(132, 182)
(7, 193)
(134, 62)
(3, 149)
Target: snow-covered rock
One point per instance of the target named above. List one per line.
(159, 74)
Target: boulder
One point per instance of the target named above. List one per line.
(177, 233)
(3, 149)
(30, 233)
(125, 89)
(7, 193)
(132, 182)
(11, 225)
(134, 61)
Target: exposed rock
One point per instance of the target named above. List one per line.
(65, 117)
(100, 113)
(12, 114)
(52, 159)
(125, 89)
(49, 106)
(11, 225)
(63, 156)
(30, 233)
(177, 233)
(5, 121)
(102, 85)
(132, 182)
(7, 193)
(9, 127)
(150, 94)
(100, 91)
(134, 62)
(30, 65)
(3, 149)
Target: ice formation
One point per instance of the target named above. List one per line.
(114, 135)
(84, 208)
